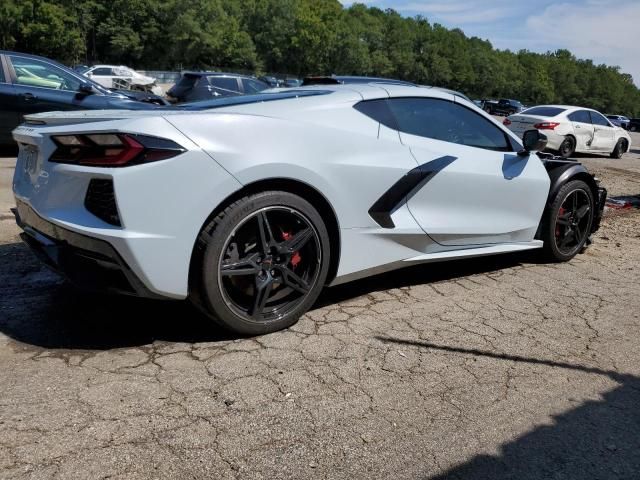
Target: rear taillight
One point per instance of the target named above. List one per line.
(546, 125)
(112, 149)
(506, 122)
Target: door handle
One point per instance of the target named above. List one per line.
(577, 126)
(29, 96)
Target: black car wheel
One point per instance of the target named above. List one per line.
(633, 128)
(566, 224)
(567, 147)
(263, 262)
(619, 149)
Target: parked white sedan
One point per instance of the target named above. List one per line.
(572, 129)
(121, 77)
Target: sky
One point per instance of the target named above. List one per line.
(606, 31)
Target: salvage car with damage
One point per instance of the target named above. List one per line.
(336, 183)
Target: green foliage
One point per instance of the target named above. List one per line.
(301, 37)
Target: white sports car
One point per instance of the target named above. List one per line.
(572, 129)
(249, 205)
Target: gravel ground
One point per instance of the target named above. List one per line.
(498, 368)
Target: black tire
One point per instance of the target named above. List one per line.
(565, 231)
(245, 260)
(619, 149)
(567, 147)
(633, 128)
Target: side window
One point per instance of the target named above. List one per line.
(102, 71)
(35, 73)
(581, 116)
(251, 86)
(225, 83)
(447, 121)
(598, 119)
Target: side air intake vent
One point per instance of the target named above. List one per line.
(101, 201)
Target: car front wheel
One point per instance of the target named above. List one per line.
(261, 263)
(566, 224)
(619, 149)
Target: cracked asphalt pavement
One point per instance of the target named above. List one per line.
(495, 368)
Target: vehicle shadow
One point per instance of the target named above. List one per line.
(38, 308)
(599, 439)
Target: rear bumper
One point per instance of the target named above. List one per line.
(87, 262)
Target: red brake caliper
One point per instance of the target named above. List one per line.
(295, 258)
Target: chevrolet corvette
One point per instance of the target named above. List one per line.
(248, 206)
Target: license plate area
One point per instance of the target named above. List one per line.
(29, 158)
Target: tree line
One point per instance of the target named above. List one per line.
(300, 37)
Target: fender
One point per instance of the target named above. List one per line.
(562, 171)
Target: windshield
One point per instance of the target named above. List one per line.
(246, 99)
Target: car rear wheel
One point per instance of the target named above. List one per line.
(633, 128)
(566, 224)
(619, 149)
(262, 263)
(567, 147)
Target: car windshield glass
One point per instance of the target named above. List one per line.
(246, 99)
(544, 111)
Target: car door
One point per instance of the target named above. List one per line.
(582, 128)
(477, 189)
(9, 117)
(102, 75)
(604, 133)
(41, 86)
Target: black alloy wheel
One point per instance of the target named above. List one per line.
(567, 222)
(270, 263)
(264, 261)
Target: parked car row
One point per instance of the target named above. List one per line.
(31, 84)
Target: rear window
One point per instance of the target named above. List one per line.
(229, 84)
(544, 111)
(187, 81)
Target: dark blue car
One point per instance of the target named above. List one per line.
(32, 84)
(196, 86)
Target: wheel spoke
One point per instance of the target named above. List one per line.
(582, 211)
(262, 292)
(294, 281)
(563, 219)
(296, 242)
(243, 266)
(568, 236)
(264, 229)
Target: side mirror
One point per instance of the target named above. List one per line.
(533, 140)
(86, 88)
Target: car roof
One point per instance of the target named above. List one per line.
(111, 66)
(216, 74)
(349, 79)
